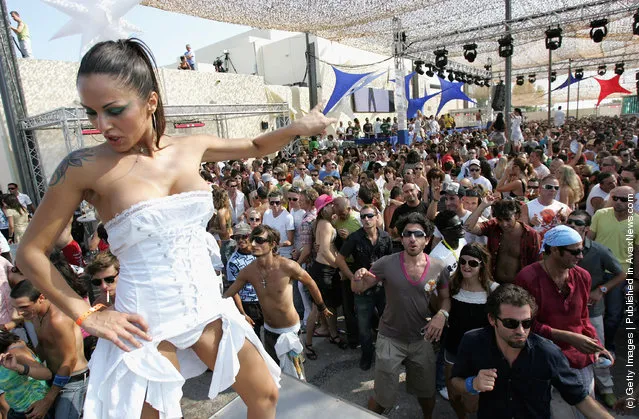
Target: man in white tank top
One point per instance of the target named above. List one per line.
(545, 212)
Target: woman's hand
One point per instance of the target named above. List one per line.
(117, 327)
(313, 123)
(10, 362)
(435, 326)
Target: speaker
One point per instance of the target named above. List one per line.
(499, 97)
(264, 125)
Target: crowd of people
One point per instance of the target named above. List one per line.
(493, 268)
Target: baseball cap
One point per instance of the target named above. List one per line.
(453, 188)
(475, 162)
(241, 229)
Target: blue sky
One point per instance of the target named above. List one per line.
(166, 33)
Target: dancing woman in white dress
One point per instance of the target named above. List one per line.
(169, 321)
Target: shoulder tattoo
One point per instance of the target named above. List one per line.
(74, 159)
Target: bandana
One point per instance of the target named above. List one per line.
(560, 236)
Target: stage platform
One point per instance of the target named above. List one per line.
(301, 400)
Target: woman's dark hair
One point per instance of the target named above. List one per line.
(7, 339)
(131, 62)
(512, 295)
(499, 124)
(11, 201)
(69, 275)
(415, 218)
(477, 251)
(102, 233)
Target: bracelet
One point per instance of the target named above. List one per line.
(26, 369)
(61, 380)
(469, 386)
(87, 313)
(321, 307)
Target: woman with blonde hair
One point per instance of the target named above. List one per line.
(571, 191)
(514, 179)
(500, 167)
(18, 218)
(221, 225)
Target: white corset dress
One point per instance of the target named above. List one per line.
(166, 276)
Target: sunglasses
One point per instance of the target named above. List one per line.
(293, 199)
(620, 198)
(626, 179)
(232, 186)
(275, 202)
(414, 233)
(260, 239)
(12, 189)
(574, 252)
(578, 223)
(328, 184)
(364, 216)
(240, 236)
(471, 263)
(474, 170)
(314, 174)
(550, 187)
(514, 324)
(533, 187)
(254, 219)
(108, 280)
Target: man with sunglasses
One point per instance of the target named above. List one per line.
(278, 217)
(512, 370)
(474, 167)
(607, 274)
(103, 271)
(545, 212)
(618, 230)
(562, 291)
(630, 177)
(407, 326)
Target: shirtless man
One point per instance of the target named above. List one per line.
(505, 228)
(60, 345)
(272, 278)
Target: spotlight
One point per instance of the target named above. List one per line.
(487, 82)
(635, 24)
(451, 75)
(440, 73)
(601, 70)
(506, 46)
(619, 68)
(470, 52)
(441, 58)
(553, 76)
(532, 78)
(478, 81)
(598, 30)
(579, 73)
(458, 76)
(470, 80)
(520, 80)
(418, 67)
(553, 38)
(430, 72)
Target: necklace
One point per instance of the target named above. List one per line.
(264, 273)
(45, 314)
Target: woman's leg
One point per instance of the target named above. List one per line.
(167, 349)
(253, 383)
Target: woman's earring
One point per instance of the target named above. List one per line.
(154, 122)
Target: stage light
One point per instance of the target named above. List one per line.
(601, 70)
(440, 73)
(635, 24)
(451, 75)
(532, 78)
(579, 73)
(598, 30)
(506, 46)
(553, 76)
(418, 67)
(430, 72)
(469, 80)
(487, 82)
(619, 68)
(441, 58)
(458, 76)
(479, 81)
(553, 38)
(470, 52)
(519, 80)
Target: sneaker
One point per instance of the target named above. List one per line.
(444, 393)
(609, 399)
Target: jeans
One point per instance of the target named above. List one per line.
(374, 298)
(559, 408)
(69, 403)
(614, 300)
(297, 301)
(348, 306)
(603, 378)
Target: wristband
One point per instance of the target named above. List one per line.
(321, 307)
(87, 313)
(469, 386)
(61, 380)
(26, 369)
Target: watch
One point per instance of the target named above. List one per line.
(603, 289)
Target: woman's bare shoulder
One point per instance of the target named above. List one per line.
(83, 159)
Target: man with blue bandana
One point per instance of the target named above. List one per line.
(561, 290)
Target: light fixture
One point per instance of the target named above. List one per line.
(458, 76)
(451, 75)
(598, 30)
(579, 73)
(418, 67)
(519, 80)
(440, 73)
(553, 76)
(601, 70)
(619, 68)
(532, 78)
(470, 52)
(553, 38)
(479, 81)
(469, 79)
(430, 72)
(441, 57)
(506, 46)
(635, 24)
(487, 82)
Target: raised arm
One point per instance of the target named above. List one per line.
(218, 149)
(471, 223)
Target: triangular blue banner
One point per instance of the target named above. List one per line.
(415, 105)
(570, 80)
(343, 84)
(451, 91)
